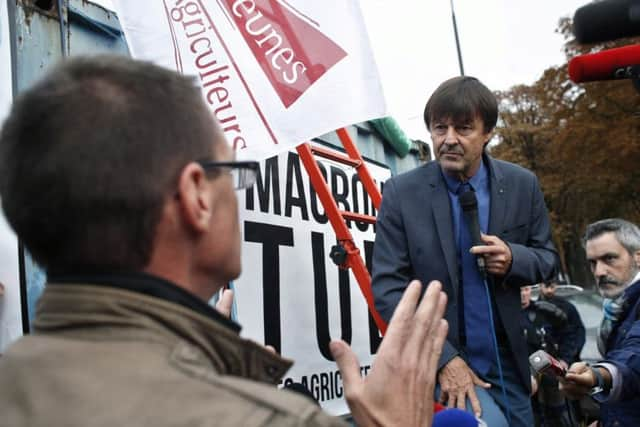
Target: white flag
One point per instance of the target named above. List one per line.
(275, 73)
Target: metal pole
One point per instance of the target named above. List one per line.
(64, 42)
(455, 32)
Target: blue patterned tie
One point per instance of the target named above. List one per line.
(476, 305)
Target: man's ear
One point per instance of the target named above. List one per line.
(194, 197)
(636, 256)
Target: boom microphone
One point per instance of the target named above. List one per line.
(610, 64)
(469, 205)
(607, 20)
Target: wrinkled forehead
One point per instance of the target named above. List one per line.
(604, 244)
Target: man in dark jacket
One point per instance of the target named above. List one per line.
(115, 176)
(571, 338)
(539, 321)
(613, 252)
(543, 324)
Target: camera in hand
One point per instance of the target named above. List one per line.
(543, 363)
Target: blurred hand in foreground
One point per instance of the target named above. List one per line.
(399, 389)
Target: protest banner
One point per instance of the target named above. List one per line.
(290, 294)
(275, 73)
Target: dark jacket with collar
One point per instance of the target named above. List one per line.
(571, 339)
(415, 240)
(623, 351)
(105, 355)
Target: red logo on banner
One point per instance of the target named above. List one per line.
(292, 53)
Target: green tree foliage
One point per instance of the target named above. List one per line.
(583, 143)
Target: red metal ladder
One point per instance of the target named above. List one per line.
(353, 258)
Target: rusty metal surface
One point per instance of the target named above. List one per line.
(94, 29)
(89, 29)
(37, 38)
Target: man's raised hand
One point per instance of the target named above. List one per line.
(399, 389)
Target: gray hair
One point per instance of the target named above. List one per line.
(627, 233)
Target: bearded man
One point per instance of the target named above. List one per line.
(613, 252)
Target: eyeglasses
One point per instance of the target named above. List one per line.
(243, 173)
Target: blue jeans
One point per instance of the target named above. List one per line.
(494, 407)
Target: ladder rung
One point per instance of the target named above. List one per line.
(332, 155)
(358, 217)
(354, 260)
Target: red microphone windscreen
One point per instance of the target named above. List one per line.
(603, 65)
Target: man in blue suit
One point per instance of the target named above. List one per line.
(421, 233)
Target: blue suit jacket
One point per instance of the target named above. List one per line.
(415, 240)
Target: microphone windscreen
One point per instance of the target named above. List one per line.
(601, 65)
(454, 418)
(607, 20)
(468, 201)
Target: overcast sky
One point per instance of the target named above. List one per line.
(504, 43)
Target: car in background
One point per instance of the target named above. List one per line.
(589, 306)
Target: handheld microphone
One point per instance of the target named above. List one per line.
(469, 204)
(607, 20)
(610, 64)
